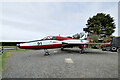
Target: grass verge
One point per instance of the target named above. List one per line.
(7, 54)
(0, 64)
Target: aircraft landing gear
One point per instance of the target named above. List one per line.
(82, 48)
(62, 48)
(82, 51)
(46, 52)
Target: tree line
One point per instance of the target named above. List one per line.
(101, 26)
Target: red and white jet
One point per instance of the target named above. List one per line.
(51, 42)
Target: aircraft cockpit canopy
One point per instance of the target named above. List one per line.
(49, 38)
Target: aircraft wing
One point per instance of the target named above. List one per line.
(99, 43)
(74, 42)
(79, 43)
(64, 44)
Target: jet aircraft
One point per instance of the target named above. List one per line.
(51, 42)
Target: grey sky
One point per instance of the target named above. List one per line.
(34, 20)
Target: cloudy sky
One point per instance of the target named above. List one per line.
(24, 21)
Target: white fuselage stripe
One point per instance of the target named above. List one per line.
(52, 42)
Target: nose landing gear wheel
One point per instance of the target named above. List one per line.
(46, 52)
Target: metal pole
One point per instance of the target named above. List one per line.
(2, 49)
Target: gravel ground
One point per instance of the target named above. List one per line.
(61, 64)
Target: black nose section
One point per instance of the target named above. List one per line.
(18, 45)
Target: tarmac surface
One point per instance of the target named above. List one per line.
(61, 64)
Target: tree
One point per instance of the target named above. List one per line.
(78, 36)
(107, 39)
(94, 37)
(100, 24)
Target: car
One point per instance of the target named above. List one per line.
(106, 48)
(95, 47)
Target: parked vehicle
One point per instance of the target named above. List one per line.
(95, 47)
(115, 45)
(106, 48)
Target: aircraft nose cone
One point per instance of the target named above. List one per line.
(18, 45)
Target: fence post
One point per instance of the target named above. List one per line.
(2, 49)
(16, 47)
